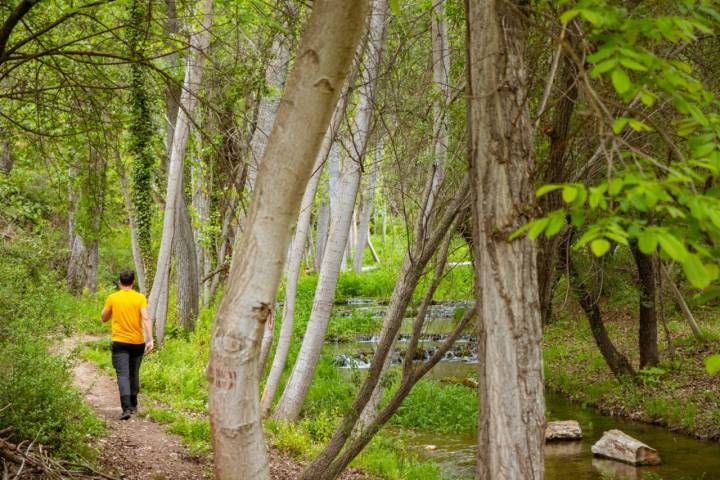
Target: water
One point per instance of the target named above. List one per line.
(683, 458)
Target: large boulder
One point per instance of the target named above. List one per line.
(564, 430)
(619, 446)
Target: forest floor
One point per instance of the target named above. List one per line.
(140, 448)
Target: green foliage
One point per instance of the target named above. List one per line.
(439, 408)
(36, 394)
(664, 205)
(712, 364)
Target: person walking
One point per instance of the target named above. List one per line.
(131, 339)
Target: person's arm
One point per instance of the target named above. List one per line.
(147, 329)
(107, 311)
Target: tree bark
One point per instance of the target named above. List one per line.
(6, 156)
(187, 302)
(321, 233)
(363, 229)
(647, 335)
(275, 75)
(188, 100)
(200, 183)
(512, 409)
(326, 52)
(298, 384)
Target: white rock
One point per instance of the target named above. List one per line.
(564, 430)
(619, 446)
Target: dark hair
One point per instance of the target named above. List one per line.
(127, 278)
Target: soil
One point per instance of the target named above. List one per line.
(141, 449)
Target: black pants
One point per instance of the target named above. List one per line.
(126, 358)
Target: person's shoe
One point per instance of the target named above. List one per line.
(132, 410)
(125, 415)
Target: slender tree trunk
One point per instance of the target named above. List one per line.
(321, 233)
(298, 384)
(78, 252)
(363, 230)
(555, 170)
(134, 242)
(414, 263)
(193, 75)
(275, 75)
(266, 344)
(324, 59)
(682, 305)
(6, 156)
(186, 267)
(200, 179)
(512, 408)
(141, 132)
(647, 335)
(222, 249)
(616, 361)
(441, 79)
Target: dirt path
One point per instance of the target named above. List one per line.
(141, 449)
(137, 448)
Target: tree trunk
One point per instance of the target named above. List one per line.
(410, 272)
(324, 59)
(275, 75)
(512, 409)
(321, 233)
(618, 363)
(266, 343)
(682, 305)
(555, 170)
(441, 79)
(134, 242)
(188, 100)
(200, 180)
(298, 384)
(363, 229)
(187, 303)
(297, 249)
(141, 132)
(6, 156)
(647, 335)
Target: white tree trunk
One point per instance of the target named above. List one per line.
(363, 230)
(193, 76)
(512, 409)
(325, 55)
(321, 232)
(275, 75)
(441, 79)
(200, 181)
(298, 384)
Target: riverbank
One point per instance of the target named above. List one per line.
(678, 394)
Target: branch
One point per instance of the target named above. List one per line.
(20, 11)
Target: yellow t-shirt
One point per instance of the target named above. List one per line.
(124, 306)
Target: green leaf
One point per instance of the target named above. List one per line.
(712, 364)
(556, 223)
(537, 227)
(600, 247)
(545, 189)
(639, 126)
(695, 271)
(520, 231)
(567, 17)
(672, 246)
(619, 124)
(647, 242)
(621, 81)
(569, 194)
(395, 7)
(603, 67)
(633, 65)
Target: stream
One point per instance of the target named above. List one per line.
(683, 457)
